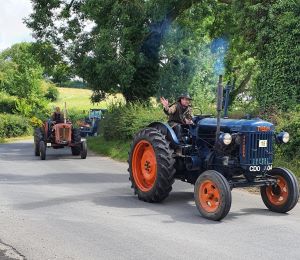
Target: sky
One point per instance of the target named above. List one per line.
(12, 28)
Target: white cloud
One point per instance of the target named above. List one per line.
(12, 28)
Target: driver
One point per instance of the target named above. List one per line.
(180, 113)
(57, 116)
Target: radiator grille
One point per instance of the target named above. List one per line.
(251, 153)
(64, 134)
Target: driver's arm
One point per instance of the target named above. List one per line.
(170, 110)
(188, 116)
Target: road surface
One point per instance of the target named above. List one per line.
(69, 208)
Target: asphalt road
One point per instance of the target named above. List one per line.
(68, 208)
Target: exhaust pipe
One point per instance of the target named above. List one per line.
(219, 105)
(65, 113)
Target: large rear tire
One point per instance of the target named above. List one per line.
(76, 138)
(284, 196)
(42, 148)
(151, 165)
(212, 195)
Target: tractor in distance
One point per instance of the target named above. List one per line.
(215, 155)
(58, 132)
(91, 124)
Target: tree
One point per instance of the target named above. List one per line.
(121, 51)
(55, 67)
(186, 59)
(20, 73)
(264, 49)
(117, 46)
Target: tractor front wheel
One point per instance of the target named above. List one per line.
(76, 138)
(42, 149)
(38, 136)
(83, 150)
(151, 165)
(283, 196)
(212, 195)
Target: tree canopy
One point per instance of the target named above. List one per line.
(20, 73)
(139, 47)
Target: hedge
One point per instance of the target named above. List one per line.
(123, 121)
(14, 126)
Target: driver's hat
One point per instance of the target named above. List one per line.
(184, 95)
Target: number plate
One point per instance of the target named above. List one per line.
(263, 143)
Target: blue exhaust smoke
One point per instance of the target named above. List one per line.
(219, 48)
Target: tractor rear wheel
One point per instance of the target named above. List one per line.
(284, 196)
(42, 148)
(83, 150)
(38, 136)
(151, 165)
(76, 138)
(212, 195)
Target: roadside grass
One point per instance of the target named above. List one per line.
(117, 150)
(15, 139)
(293, 165)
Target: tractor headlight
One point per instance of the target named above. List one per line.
(283, 137)
(225, 138)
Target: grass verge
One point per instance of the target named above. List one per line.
(293, 165)
(15, 139)
(115, 149)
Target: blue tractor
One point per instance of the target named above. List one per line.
(91, 124)
(215, 155)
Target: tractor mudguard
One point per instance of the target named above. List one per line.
(167, 130)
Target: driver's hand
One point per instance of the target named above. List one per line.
(164, 102)
(189, 121)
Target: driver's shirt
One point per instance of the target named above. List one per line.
(178, 113)
(57, 117)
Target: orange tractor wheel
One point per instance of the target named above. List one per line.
(151, 165)
(283, 196)
(212, 195)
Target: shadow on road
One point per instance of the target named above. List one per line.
(253, 211)
(57, 201)
(25, 151)
(63, 178)
(179, 206)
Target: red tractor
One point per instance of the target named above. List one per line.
(57, 133)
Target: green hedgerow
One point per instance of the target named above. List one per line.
(123, 121)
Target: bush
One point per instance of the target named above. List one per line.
(36, 122)
(7, 103)
(52, 93)
(116, 149)
(34, 106)
(123, 121)
(290, 122)
(13, 126)
(76, 116)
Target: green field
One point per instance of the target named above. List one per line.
(79, 99)
(75, 98)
